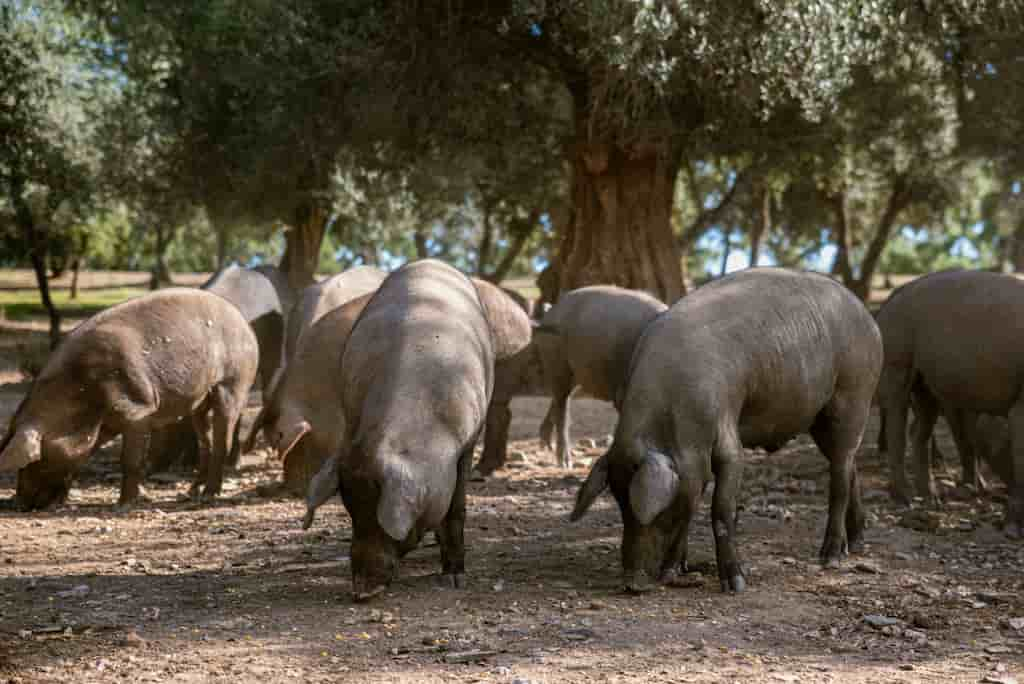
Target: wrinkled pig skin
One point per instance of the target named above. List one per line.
(304, 413)
(952, 346)
(517, 368)
(749, 360)
(321, 298)
(140, 365)
(586, 339)
(416, 378)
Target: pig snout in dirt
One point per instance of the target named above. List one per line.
(416, 378)
(702, 387)
(132, 368)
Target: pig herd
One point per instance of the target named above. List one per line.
(378, 387)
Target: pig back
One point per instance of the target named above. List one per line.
(419, 359)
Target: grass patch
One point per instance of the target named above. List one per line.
(24, 305)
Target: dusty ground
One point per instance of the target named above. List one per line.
(238, 592)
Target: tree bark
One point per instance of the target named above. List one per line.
(302, 244)
(160, 276)
(897, 201)
(762, 222)
(520, 234)
(483, 257)
(621, 229)
(37, 248)
(1016, 250)
(726, 251)
(844, 244)
(76, 265)
(223, 241)
(420, 240)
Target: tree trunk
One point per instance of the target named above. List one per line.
(762, 222)
(160, 276)
(483, 258)
(726, 251)
(420, 240)
(223, 241)
(520, 234)
(897, 201)
(1017, 248)
(302, 244)
(844, 245)
(76, 265)
(37, 254)
(621, 229)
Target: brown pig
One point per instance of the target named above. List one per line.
(146, 363)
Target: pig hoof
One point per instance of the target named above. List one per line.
(307, 520)
(639, 584)
(363, 596)
(1013, 530)
(457, 580)
(736, 584)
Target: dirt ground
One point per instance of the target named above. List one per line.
(237, 591)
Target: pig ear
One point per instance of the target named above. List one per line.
(398, 508)
(291, 436)
(323, 486)
(596, 483)
(24, 447)
(654, 487)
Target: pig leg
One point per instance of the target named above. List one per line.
(897, 394)
(499, 416)
(837, 430)
(726, 464)
(226, 409)
(855, 515)
(927, 412)
(676, 561)
(450, 533)
(962, 426)
(1014, 527)
(201, 424)
(561, 389)
(133, 459)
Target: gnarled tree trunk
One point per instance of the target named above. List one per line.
(762, 221)
(621, 228)
(302, 244)
(37, 248)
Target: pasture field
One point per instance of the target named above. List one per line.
(236, 591)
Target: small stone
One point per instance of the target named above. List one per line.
(499, 585)
(998, 649)
(903, 556)
(1016, 623)
(580, 634)
(906, 667)
(914, 635)
(998, 679)
(867, 568)
(789, 561)
(501, 671)
(598, 605)
(133, 640)
(880, 621)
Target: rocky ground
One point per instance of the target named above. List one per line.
(236, 591)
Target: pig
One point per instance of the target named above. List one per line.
(142, 364)
(586, 339)
(320, 298)
(263, 296)
(751, 359)
(304, 412)
(952, 342)
(417, 373)
(517, 367)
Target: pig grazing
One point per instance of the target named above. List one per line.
(517, 367)
(952, 340)
(587, 340)
(304, 412)
(416, 378)
(143, 364)
(749, 360)
(325, 296)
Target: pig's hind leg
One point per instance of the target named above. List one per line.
(450, 533)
